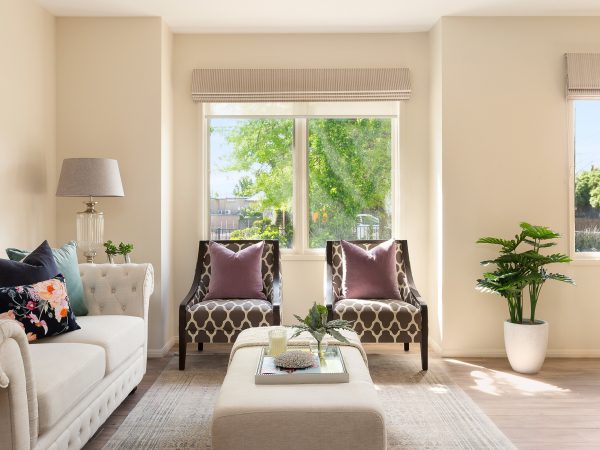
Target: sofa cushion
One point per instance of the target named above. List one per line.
(119, 336)
(66, 262)
(235, 274)
(381, 320)
(38, 266)
(221, 320)
(43, 309)
(63, 374)
(370, 273)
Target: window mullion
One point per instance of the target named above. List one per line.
(204, 170)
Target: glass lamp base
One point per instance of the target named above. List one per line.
(90, 231)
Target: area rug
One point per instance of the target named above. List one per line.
(424, 410)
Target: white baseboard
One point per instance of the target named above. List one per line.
(501, 353)
(160, 352)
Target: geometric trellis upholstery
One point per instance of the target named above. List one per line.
(379, 320)
(222, 320)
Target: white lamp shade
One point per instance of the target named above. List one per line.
(85, 177)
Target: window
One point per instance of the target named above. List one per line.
(251, 177)
(586, 114)
(303, 173)
(349, 179)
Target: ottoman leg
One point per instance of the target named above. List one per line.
(406, 346)
(200, 346)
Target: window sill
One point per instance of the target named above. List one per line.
(313, 256)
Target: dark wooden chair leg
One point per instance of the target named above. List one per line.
(424, 356)
(424, 338)
(200, 346)
(406, 346)
(182, 349)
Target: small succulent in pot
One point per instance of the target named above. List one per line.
(111, 250)
(318, 326)
(125, 250)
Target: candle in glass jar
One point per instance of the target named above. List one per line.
(277, 341)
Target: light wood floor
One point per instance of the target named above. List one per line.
(559, 408)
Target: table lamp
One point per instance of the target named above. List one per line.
(90, 177)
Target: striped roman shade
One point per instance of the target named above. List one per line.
(299, 85)
(583, 75)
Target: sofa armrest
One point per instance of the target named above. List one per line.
(18, 398)
(118, 289)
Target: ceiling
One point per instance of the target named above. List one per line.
(314, 16)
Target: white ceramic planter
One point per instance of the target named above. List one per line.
(526, 345)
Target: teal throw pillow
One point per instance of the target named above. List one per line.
(66, 261)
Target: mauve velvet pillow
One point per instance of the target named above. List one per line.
(370, 273)
(235, 274)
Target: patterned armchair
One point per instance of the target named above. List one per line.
(379, 320)
(220, 321)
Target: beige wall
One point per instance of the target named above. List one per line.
(27, 125)
(302, 279)
(435, 272)
(110, 103)
(487, 116)
(505, 159)
(167, 155)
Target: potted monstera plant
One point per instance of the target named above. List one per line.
(525, 339)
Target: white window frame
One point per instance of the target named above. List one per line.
(300, 113)
(581, 257)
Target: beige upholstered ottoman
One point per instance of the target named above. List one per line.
(343, 416)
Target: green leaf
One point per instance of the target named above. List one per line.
(538, 232)
(339, 336)
(560, 277)
(298, 318)
(496, 241)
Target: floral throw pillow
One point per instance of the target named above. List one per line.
(42, 308)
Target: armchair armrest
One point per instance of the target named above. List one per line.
(276, 302)
(18, 398)
(328, 292)
(416, 299)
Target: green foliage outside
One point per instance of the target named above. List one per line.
(265, 229)
(349, 165)
(587, 240)
(587, 190)
(587, 210)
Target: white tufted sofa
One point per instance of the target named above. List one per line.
(56, 393)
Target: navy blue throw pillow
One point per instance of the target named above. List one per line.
(38, 266)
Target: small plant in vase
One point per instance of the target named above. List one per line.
(318, 326)
(125, 250)
(111, 250)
